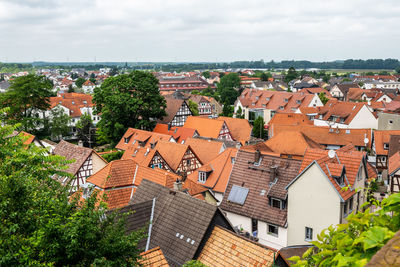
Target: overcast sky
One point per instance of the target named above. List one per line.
(198, 30)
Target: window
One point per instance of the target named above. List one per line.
(386, 146)
(276, 203)
(345, 208)
(126, 140)
(254, 227)
(390, 121)
(350, 204)
(202, 177)
(273, 230)
(238, 194)
(309, 234)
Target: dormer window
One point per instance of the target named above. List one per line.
(276, 203)
(298, 102)
(126, 140)
(386, 146)
(340, 180)
(281, 107)
(84, 102)
(202, 177)
(286, 100)
(267, 98)
(73, 102)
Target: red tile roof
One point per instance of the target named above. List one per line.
(135, 136)
(240, 129)
(204, 126)
(383, 137)
(73, 101)
(178, 133)
(290, 119)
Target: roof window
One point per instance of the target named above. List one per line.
(238, 194)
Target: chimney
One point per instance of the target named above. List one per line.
(272, 173)
(257, 156)
(178, 185)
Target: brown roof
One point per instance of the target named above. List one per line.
(206, 150)
(345, 87)
(394, 144)
(180, 221)
(225, 248)
(326, 136)
(219, 170)
(72, 152)
(240, 129)
(153, 258)
(350, 159)
(204, 126)
(173, 105)
(382, 137)
(178, 133)
(258, 180)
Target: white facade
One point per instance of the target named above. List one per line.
(243, 222)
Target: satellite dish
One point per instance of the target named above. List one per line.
(331, 154)
(366, 140)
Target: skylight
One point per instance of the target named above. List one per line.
(238, 194)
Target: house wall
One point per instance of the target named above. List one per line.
(335, 92)
(218, 196)
(98, 163)
(264, 238)
(387, 121)
(315, 102)
(312, 202)
(364, 119)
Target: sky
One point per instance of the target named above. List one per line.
(198, 30)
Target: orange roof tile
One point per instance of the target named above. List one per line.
(225, 248)
(153, 258)
(204, 126)
(240, 129)
(394, 163)
(220, 168)
(178, 133)
(135, 136)
(206, 150)
(344, 111)
(290, 119)
(350, 160)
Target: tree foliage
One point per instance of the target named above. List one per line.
(79, 82)
(42, 226)
(239, 113)
(194, 108)
(228, 88)
(206, 74)
(26, 98)
(58, 124)
(355, 242)
(323, 98)
(85, 130)
(259, 129)
(194, 263)
(291, 75)
(128, 100)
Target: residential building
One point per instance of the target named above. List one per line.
(177, 112)
(206, 150)
(211, 128)
(338, 114)
(381, 146)
(140, 138)
(388, 121)
(179, 224)
(88, 87)
(214, 175)
(327, 189)
(180, 134)
(86, 163)
(182, 83)
(255, 103)
(340, 91)
(255, 200)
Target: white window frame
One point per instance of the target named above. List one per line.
(202, 177)
(309, 234)
(272, 233)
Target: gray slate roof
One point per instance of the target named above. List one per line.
(180, 221)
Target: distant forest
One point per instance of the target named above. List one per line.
(386, 64)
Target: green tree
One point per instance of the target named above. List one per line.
(85, 130)
(71, 89)
(42, 226)
(323, 98)
(194, 108)
(79, 82)
(93, 80)
(194, 263)
(259, 129)
(355, 242)
(206, 74)
(398, 70)
(265, 76)
(2, 78)
(291, 75)
(58, 124)
(239, 113)
(128, 100)
(227, 111)
(27, 96)
(228, 88)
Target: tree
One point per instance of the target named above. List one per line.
(74, 76)
(194, 263)
(323, 98)
(291, 75)
(355, 242)
(58, 124)
(227, 110)
(27, 96)
(128, 100)
(2, 78)
(79, 82)
(71, 89)
(228, 88)
(398, 70)
(42, 226)
(265, 76)
(85, 130)
(113, 71)
(93, 80)
(194, 108)
(259, 129)
(239, 113)
(206, 74)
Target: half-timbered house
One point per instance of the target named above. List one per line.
(177, 112)
(86, 163)
(136, 138)
(381, 145)
(394, 172)
(211, 128)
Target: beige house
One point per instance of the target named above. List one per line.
(317, 197)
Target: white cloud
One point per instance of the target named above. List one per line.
(192, 30)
